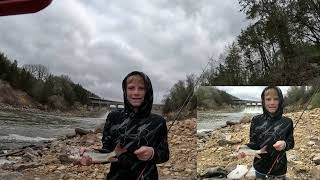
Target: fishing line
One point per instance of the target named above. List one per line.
(307, 106)
(189, 97)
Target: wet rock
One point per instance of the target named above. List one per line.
(316, 159)
(81, 132)
(214, 172)
(230, 123)
(64, 159)
(245, 119)
(70, 136)
(223, 142)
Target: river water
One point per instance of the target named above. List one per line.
(210, 120)
(18, 129)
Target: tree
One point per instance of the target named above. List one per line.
(178, 95)
(39, 71)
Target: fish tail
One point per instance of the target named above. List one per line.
(263, 150)
(257, 155)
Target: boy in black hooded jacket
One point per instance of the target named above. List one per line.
(135, 134)
(274, 131)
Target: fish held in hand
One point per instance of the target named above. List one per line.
(100, 157)
(251, 152)
(94, 156)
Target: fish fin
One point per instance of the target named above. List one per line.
(258, 156)
(263, 150)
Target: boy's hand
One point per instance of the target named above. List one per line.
(144, 153)
(279, 145)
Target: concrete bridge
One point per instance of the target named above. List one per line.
(109, 104)
(242, 102)
(105, 103)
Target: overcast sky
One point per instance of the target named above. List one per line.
(249, 92)
(96, 43)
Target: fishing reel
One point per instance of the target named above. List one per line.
(129, 142)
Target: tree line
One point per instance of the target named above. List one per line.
(41, 85)
(281, 46)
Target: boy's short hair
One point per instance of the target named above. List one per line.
(135, 78)
(268, 91)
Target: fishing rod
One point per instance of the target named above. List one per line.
(305, 108)
(189, 97)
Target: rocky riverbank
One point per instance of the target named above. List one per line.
(50, 161)
(216, 150)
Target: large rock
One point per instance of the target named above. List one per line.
(223, 142)
(230, 123)
(81, 132)
(64, 159)
(316, 159)
(214, 172)
(246, 119)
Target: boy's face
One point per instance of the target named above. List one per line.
(271, 100)
(136, 92)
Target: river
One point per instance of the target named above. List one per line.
(210, 120)
(20, 129)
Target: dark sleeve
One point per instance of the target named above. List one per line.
(161, 150)
(289, 139)
(253, 136)
(107, 142)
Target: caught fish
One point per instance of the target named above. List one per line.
(250, 152)
(96, 156)
(100, 157)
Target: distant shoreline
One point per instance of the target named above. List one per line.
(70, 113)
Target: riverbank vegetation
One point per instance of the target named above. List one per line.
(299, 96)
(55, 92)
(280, 46)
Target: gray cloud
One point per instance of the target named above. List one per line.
(97, 43)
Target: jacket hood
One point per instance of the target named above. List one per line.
(146, 106)
(279, 112)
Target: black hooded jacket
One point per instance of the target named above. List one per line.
(132, 130)
(266, 130)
